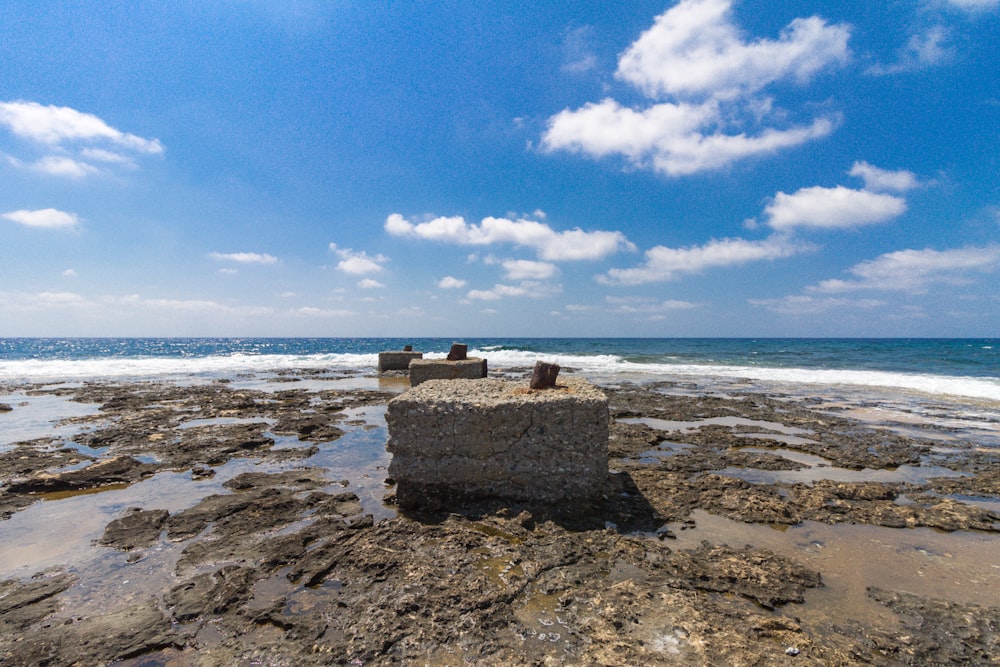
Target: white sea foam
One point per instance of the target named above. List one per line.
(164, 367)
(611, 365)
(604, 366)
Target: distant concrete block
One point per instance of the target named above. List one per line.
(422, 370)
(397, 361)
(453, 440)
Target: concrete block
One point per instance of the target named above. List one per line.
(454, 440)
(397, 361)
(422, 370)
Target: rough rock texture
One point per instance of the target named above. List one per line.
(422, 370)
(396, 361)
(454, 439)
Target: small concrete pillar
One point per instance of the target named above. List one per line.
(422, 370)
(397, 361)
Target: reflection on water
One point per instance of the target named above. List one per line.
(958, 566)
(730, 422)
(62, 529)
(903, 474)
(36, 415)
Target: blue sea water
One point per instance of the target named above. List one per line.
(957, 367)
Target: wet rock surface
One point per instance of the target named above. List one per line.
(286, 568)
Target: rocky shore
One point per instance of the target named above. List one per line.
(285, 563)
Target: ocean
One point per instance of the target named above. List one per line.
(968, 368)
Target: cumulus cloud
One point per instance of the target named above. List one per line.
(58, 165)
(671, 139)
(831, 208)
(649, 307)
(358, 263)
(694, 49)
(243, 257)
(574, 244)
(450, 282)
(881, 180)
(368, 283)
(48, 218)
(916, 270)
(312, 311)
(801, 304)
(528, 288)
(57, 125)
(702, 76)
(67, 131)
(663, 263)
(524, 269)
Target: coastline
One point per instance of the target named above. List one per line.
(658, 574)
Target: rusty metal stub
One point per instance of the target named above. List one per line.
(544, 375)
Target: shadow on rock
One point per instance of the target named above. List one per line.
(622, 507)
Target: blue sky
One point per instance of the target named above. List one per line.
(391, 168)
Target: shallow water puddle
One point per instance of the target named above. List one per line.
(731, 422)
(818, 468)
(943, 424)
(37, 415)
(959, 566)
(904, 474)
(795, 455)
(61, 530)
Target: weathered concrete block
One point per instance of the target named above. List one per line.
(467, 439)
(422, 370)
(397, 361)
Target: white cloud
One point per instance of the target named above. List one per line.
(60, 165)
(651, 307)
(799, 304)
(528, 288)
(66, 131)
(54, 126)
(368, 283)
(831, 208)
(694, 49)
(880, 180)
(697, 57)
(243, 257)
(40, 301)
(48, 218)
(672, 139)
(450, 282)
(312, 311)
(916, 270)
(524, 269)
(70, 273)
(574, 244)
(102, 155)
(974, 5)
(923, 50)
(663, 263)
(357, 263)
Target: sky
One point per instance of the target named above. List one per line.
(454, 168)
